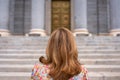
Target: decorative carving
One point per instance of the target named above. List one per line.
(60, 14)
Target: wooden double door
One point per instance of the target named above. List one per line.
(60, 14)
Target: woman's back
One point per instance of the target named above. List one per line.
(41, 72)
(61, 59)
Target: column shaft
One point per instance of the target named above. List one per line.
(80, 17)
(4, 17)
(38, 11)
(114, 14)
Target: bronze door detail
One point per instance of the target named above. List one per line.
(60, 14)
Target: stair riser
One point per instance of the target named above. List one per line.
(18, 50)
(80, 57)
(29, 69)
(82, 62)
(104, 69)
(28, 78)
(14, 78)
(45, 44)
(41, 47)
(104, 78)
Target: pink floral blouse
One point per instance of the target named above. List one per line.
(40, 72)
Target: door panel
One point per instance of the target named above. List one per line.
(60, 14)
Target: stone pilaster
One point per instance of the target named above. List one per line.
(80, 17)
(115, 17)
(4, 17)
(38, 13)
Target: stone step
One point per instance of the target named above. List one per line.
(92, 75)
(15, 75)
(44, 46)
(37, 55)
(82, 38)
(45, 40)
(104, 75)
(100, 61)
(103, 68)
(79, 47)
(39, 41)
(38, 50)
(78, 44)
(42, 51)
(45, 43)
(28, 68)
(82, 60)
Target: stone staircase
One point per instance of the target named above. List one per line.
(100, 55)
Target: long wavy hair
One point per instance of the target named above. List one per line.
(62, 55)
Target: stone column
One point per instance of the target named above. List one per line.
(80, 7)
(38, 11)
(115, 17)
(4, 17)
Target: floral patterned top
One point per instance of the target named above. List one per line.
(40, 72)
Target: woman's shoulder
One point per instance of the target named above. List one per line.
(83, 75)
(39, 71)
(39, 66)
(84, 69)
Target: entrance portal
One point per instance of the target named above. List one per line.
(60, 14)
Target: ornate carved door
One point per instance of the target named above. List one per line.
(60, 14)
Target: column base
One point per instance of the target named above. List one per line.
(103, 34)
(4, 32)
(81, 32)
(37, 32)
(115, 32)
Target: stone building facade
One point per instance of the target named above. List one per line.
(41, 17)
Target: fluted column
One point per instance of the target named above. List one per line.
(115, 17)
(80, 17)
(38, 11)
(4, 17)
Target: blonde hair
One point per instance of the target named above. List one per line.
(62, 55)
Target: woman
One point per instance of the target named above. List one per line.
(61, 62)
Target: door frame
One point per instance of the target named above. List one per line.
(48, 16)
